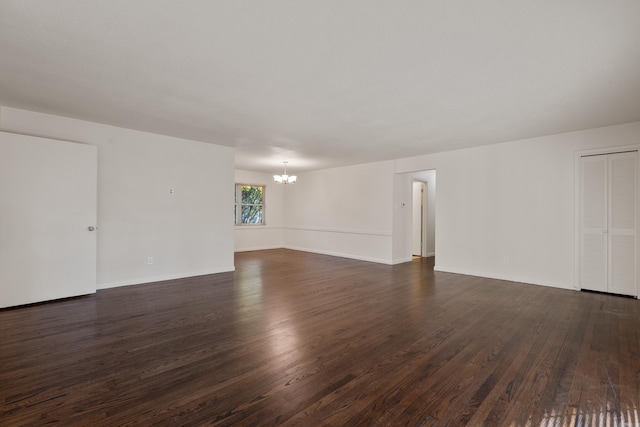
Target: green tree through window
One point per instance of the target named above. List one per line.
(249, 204)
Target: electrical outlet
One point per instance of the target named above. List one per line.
(506, 260)
(150, 260)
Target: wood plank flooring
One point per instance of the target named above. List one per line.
(294, 338)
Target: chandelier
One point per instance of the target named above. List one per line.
(284, 178)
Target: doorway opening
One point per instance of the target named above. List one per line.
(419, 220)
(414, 236)
(421, 224)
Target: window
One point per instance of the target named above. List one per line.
(249, 204)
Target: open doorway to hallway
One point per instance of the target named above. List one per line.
(423, 223)
(414, 230)
(419, 220)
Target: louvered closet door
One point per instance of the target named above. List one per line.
(622, 224)
(594, 223)
(609, 224)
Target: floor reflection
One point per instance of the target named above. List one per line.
(248, 290)
(603, 417)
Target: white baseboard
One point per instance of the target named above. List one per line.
(142, 280)
(401, 260)
(506, 277)
(258, 248)
(341, 255)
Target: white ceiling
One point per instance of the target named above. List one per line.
(326, 83)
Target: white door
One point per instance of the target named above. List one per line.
(609, 223)
(622, 224)
(47, 206)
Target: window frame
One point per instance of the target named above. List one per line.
(237, 202)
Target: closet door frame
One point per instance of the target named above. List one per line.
(578, 207)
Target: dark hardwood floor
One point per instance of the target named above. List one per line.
(304, 339)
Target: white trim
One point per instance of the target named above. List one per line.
(424, 221)
(341, 230)
(143, 280)
(338, 254)
(257, 227)
(258, 248)
(607, 150)
(507, 278)
(401, 260)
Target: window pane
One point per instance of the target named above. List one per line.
(249, 204)
(251, 195)
(252, 214)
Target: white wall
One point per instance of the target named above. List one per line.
(401, 229)
(507, 210)
(343, 211)
(188, 233)
(270, 235)
(504, 210)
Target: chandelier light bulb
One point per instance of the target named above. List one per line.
(284, 178)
